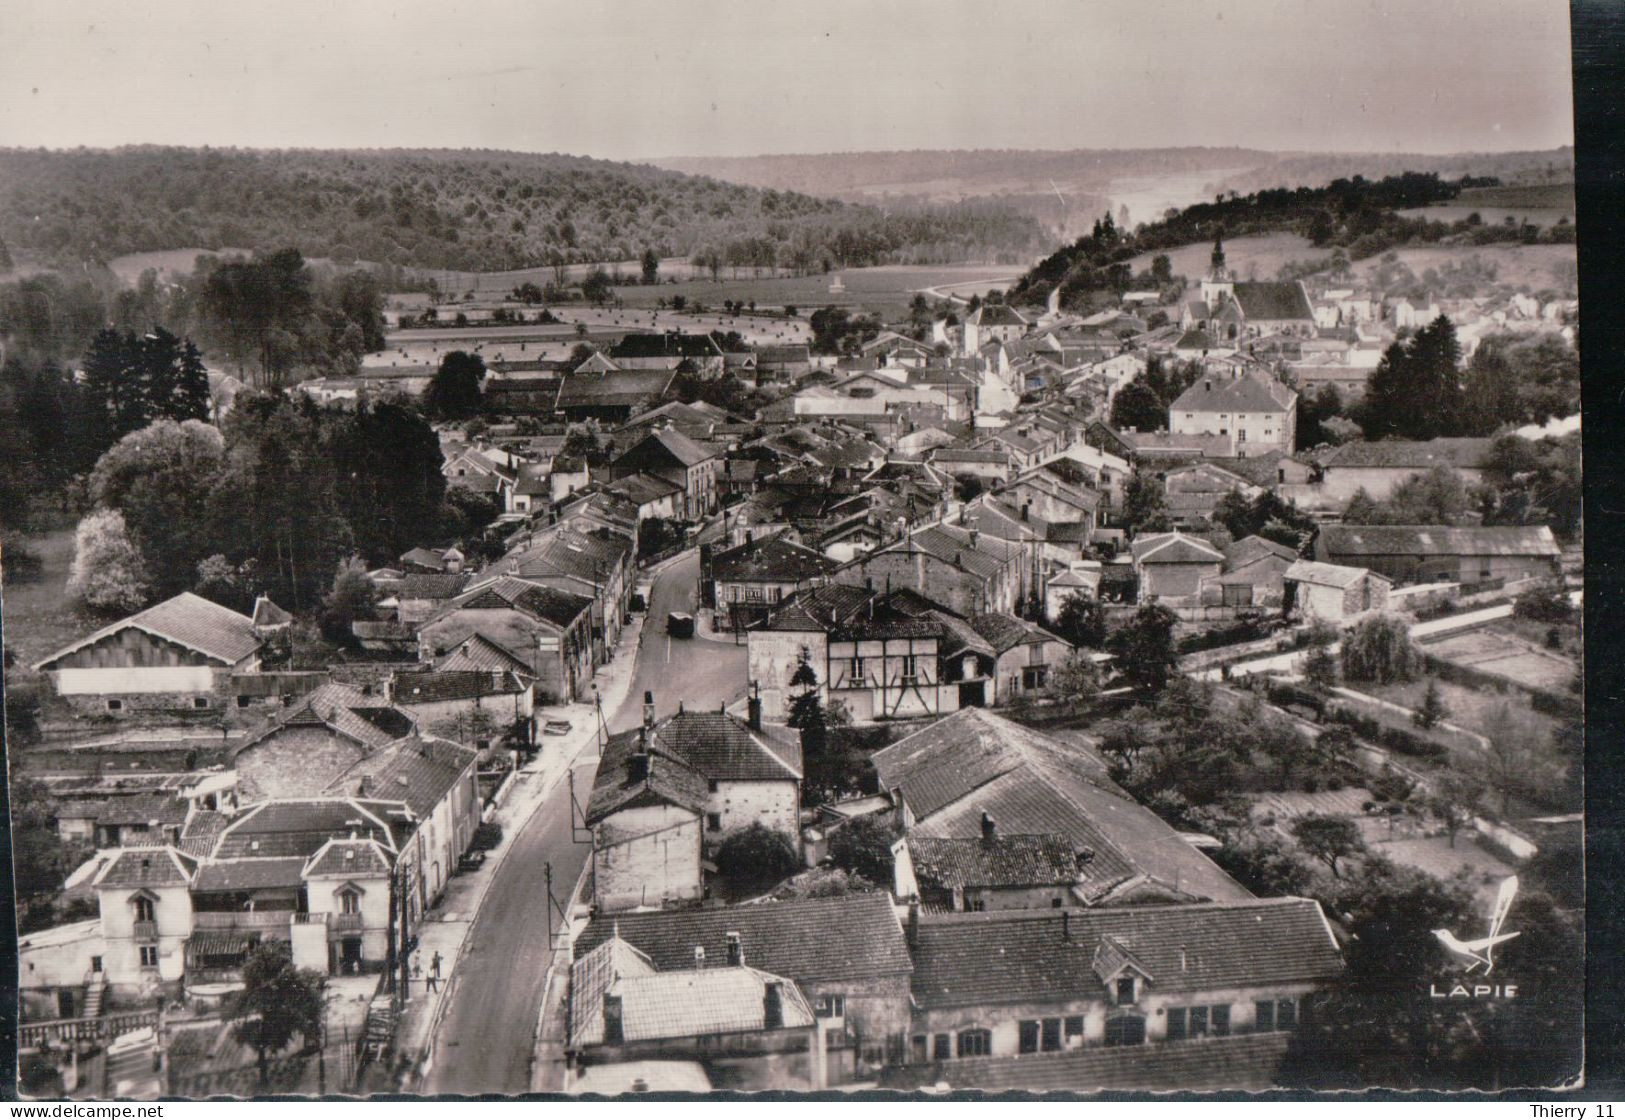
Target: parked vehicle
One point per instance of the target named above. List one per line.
(556, 727)
(680, 625)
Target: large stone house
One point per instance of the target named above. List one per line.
(549, 628)
(953, 566)
(668, 454)
(1255, 412)
(666, 793)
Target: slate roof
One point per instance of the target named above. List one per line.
(682, 449)
(1233, 394)
(562, 551)
(267, 613)
(953, 545)
(1273, 299)
(1238, 1062)
(249, 874)
(342, 859)
(720, 747)
(189, 620)
(1419, 455)
(418, 772)
(301, 827)
(147, 867)
(1437, 540)
(1005, 861)
(366, 719)
(818, 609)
(854, 937)
(1037, 956)
(771, 560)
(1174, 548)
(665, 780)
(644, 488)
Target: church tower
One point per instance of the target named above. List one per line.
(1219, 284)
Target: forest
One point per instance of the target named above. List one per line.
(471, 210)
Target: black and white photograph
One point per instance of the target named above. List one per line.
(627, 549)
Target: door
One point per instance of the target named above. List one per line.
(973, 694)
(350, 956)
(64, 1003)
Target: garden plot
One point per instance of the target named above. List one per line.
(1493, 652)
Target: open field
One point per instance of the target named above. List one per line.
(1540, 205)
(1489, 713)
(1249, 258)
(885, 288)
(1500, 652)
(38, 617)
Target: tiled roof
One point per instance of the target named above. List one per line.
(341, 859)
(684, 1004)
(774, 559)
(146, 867)
(1019, 956)
(1174, 548)
(1437, 540)
(189, 620)
(853, 937)
(664, 780)
(564, 552)
(720, 747)
(479, 653)
(364, 718)
(648, 345)
(779, 354)
(1326, 575)
(267, 613)
(1238, 1062)
(973, 761)
(249, 874)
(684, 450)
(438, 685)
(435, 586)
(1419, 455)
(1248, 550)
(418, 772)
(165, 808)
(1004, 861)
(202, 831)
(643, 488)
(818, 609)
(1004, 632)
(998, 315)
(549, 604)
(591, 975)
(619, 388)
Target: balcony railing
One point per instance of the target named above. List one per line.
(146, 931)
(242, 919)
(347, 923)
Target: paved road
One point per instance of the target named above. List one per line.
(489, 1026)
(699, 672)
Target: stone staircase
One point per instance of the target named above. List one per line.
(95, 989)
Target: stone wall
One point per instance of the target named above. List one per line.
(295, 762)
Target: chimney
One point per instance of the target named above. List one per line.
(990, 830)
(913, 925)
(754, 708)
(648, 710)
(772, 1006)
(973, 535)
(1207, 385)
(736, 950)
(637, 766)
(699, 956)
(1066, 926)
(614, 1025)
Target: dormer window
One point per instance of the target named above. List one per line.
(1125, 990)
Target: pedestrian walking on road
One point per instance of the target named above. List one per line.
(434, 965)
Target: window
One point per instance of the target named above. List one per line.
(1027, 1037)
(1220, 1014)
(1033, 677)
(942, 1048)
(1176, 1024)
(244, 701)
(1052, 1034)
(1198, 1022)
(711, 786)
(830, 1007)
(200, 701)
(918, 1047)
(149, 956)
(975, 1043)
(143, 909)
(1264, 1015)
(1286, 1014)
(910, 669)
(1125, 989)
(1125, 1030)
(95, 964)
(349, 902)
(1074, 1029)
(1241, 435)
(854, 671)
(713, 822)
(115, 705)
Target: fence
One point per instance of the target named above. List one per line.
(109, 1026)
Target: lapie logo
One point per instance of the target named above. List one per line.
(1480, 952)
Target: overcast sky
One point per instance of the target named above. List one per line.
(624, 79)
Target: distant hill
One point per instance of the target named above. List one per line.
(1068, 190)
(474, 210)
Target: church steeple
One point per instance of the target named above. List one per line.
(1218, 271)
